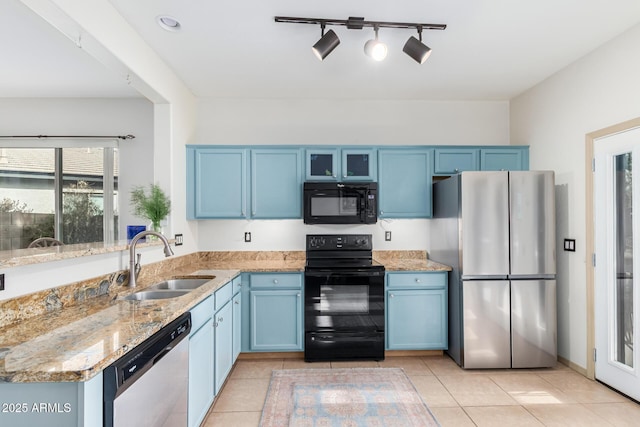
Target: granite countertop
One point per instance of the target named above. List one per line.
(76, 343)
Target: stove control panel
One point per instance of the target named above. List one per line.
(333, 242)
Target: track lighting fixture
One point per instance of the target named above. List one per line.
(416, 49)
(373, 48)
(326, 44)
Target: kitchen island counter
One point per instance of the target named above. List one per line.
(76, 343)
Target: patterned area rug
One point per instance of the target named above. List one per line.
(360, 397)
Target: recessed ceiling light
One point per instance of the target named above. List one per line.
(168, 23)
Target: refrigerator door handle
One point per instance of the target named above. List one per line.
(484, 277)
(532, 277)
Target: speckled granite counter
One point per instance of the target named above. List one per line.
(76, 343)
(73, 332)
(407, 261)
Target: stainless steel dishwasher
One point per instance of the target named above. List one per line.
(148, 386)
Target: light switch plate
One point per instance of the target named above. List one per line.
(570, 245)
(387, 236)
(247, 236)
(2, 282)
(179, 240)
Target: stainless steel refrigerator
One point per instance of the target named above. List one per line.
(497, 231)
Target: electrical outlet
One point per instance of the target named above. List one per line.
(387, 236)
(247, 236)
(179, 240)
(2, 282)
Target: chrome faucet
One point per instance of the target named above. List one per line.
(134, 264)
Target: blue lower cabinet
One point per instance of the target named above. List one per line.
(200, 373)
(237, 325)
(417, 304)
(276, 320)
(417, 320)
(223, 355)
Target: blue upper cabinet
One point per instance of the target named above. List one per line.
(276, 183)
(452, 160)
(449, 161)
(216, 183)
(404, 184)
(346, 164)
(512, 158)
(322, 165)
(358, 165)
(218, 177)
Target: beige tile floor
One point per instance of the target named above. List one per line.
(457, 397)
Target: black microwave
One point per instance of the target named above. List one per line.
(340, 202)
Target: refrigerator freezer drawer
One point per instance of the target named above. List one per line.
(533, 323)
(487, 338)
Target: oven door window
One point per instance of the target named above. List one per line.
(344, 299)
(343, 205)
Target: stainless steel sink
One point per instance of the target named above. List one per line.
(185, 283)
(157, 294)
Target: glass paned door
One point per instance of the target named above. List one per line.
(623, 228)
(616, 236)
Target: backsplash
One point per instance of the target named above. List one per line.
(37, 303)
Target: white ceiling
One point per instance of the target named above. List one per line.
(491, 49)
(36, 60)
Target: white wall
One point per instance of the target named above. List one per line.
(339, 122)
(599, 90)
(344, 122)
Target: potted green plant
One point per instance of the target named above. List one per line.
(154, 206)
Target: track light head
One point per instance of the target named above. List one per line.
(375, 48)
(326, 44)
(417, 50)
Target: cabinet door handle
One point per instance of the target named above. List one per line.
(275, 281)
(220, 319)
(418, 280)
(298, 294)
(236, 302)
(391, 295)
(381, 212)
(215, 324)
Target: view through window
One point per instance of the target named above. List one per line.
(68, 194)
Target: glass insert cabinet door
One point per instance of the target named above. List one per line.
(341, 165)
(616, 286)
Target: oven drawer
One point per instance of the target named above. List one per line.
(277, 280)
(412, 279)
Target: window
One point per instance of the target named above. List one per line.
(68, 193)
